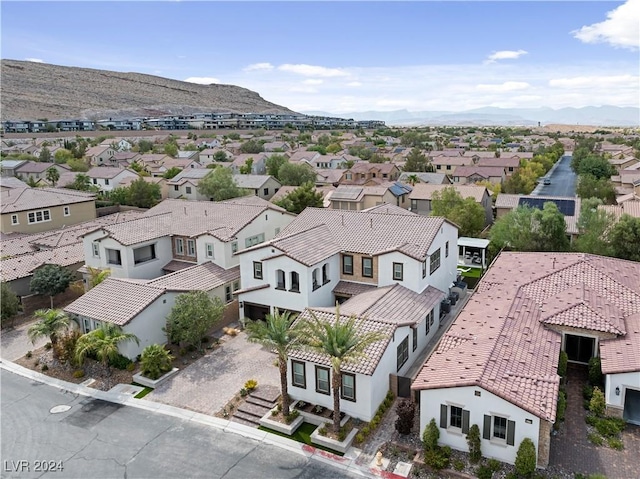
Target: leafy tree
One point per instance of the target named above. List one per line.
(591, 187)
(625, 238)
(594, 226)
(62, 155)
(430, 436)
(301, 198)
(246, 168)
(220, 156)
(296, 175)
(53, 175)
(277, 334)
(77, 164)
(597, 404)
(144, 146)
(324, 140)
(192, 316)
(233, 136)
(51, 322)
(171, 149)
(334, 148)
(32, 182)
(219, 185)
(417, 162)
(377, 158)
(171, 172)
(273, 164)
(97, 276)
(139, 193)
(597, 166)
(475, 444)
(466, 213)
(155, 361)
(526, 458)
(252, 146)
(103, 342)
(45, 155)
(9, 303)
(82, 182)
(343, 342)
(50, 280)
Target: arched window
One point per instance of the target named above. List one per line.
(314, 276)
(280, 280)
(295, 282)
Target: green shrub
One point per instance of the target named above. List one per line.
(430, 436)
(484, 472)
(563, 361)
(494, 465)
(597, 404)
(155, 361)
(595, 372)
(119, 362)
(322, 430)
(474, 442)
(591, 420)
(78, 373)
(615, 443)
(587, 392)
(360, 437)
(526, 458)
(250, 385)
(436, 458)
(243, 392)
(595, 438)
(131, 367)
(45, 367)
(609, 427)
(562, 407)
(292, 416)
(458, 465)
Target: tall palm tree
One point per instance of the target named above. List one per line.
(50, 323)
(276, 333)
(103, 342)
(413, 179)
(97, 276)
(343, 341)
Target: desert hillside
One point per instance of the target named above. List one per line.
(38, 90)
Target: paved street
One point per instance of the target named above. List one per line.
(563, 180)
(100, 439)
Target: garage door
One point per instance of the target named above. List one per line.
(632, 406)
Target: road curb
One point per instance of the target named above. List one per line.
(343, 463)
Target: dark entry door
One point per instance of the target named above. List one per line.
(404, 387)
(579, 348)
(255, 311)
(632, 406)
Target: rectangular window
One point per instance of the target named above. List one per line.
(234, 247)
(227, 294)
(106, 181)
(14, 219)
(414, 205)
(209, 248)
(113, 256)
(67, 211)
(265, 192)
(254, 240)
(397, 271)
(179, 244)
(414, 342)
(39, 216)
(455, 417)
(435, 261)
(347, 264)
(427, 323)
(403, 352)
(424, 268)
(236, 285)
(446, 249)
(188, 190)
(299, 376)
(144, 254)
(95, 181)
(322, 380)
(257, 270)
(95, 247)
(191, 247)
(367, 267)
(176, 188)
(500, 427)
(348, 387)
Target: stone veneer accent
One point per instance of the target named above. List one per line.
(544, 444)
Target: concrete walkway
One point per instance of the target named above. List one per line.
(14, 342)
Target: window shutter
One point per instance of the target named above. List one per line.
(465, 421)
(443, 416)
(486, 432)
(511, 432)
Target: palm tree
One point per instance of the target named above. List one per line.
(276, 333)
(53, 175)
(413, 179)
(343, 341)
(103, 342)
(51, 322)
(97, 276)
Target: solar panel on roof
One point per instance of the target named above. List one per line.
(347, 193)
(567, 207)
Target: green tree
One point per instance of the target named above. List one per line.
(171, 172)
(77, 164)
(45, 155)
(192, 316)
(219, 185)
(591, 187)
(625, 238)
(334, 148)
(53, 175)
(50, 280)
(62, 155)
(475, 444)
(277, 334)
(301, 198)
(296, 175)
(155, 361)
(413, 179)
(143, 194)
(171, 149)
(32, 182)
(526, 458)
(220, 155)
(252, 146)
(82, 182)
(144, 146)
(9, 303)
(51, 322)
(103, 342)
(273, 164)
(417, 162)
(97, 276)
(246, 168)
(597, 166)
(466, 213)
(594, 225)
(342, 341)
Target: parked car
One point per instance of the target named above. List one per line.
(546, 181)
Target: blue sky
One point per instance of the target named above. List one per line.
(352, 56)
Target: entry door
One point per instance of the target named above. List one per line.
(579, 348)
(632, 406)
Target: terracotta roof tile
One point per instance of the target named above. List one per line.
(349, 288)
(25, 199)
(200, 277)
(24, 265)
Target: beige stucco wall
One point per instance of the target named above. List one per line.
(79, 212)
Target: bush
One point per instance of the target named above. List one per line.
(458, 465)
(595, 438)
(563, 361)
(322, 430)
(45, 367)
(292, 416)
(155, 361)
(131, 367)
(474, 442)
(66, 345)
(595, 372)
(615, 443)
(430, 436)
(406, 410)
(562, 407)
(484, 472)
(120, 362)
(29, 354)
(494, 465)
(250, 385)
(436, 458)
(78, 373)
(587, 392)
(609, 426)
(597, 403)
(526, 458)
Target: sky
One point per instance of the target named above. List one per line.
(341, 57)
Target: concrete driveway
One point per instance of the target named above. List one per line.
(14, 342)
(207, 385)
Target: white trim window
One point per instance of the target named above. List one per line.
(191, 247)
(254, 240)
(95, 248)
(66, 211)
(454, 417)
(499, 429)
(14, 220)
(234, 247)
(209, 248)
(179, 244)
(39, 216)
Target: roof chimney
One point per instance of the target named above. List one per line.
(371, 223)
(205, 212)
(342, 220)
(185, 210)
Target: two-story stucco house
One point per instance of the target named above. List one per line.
(108, 178)
(353, 197)
(38, 170)
(101, 154)
(422, 194)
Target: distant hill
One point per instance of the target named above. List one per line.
(39, 90)
(590, 115)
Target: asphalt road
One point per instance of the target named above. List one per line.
(99, 439)
(563, 180)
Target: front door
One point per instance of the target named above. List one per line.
(579, 348)
(632, 406)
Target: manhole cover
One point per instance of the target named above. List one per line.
(59, 409)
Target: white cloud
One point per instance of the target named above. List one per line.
(304, 89)
(313, 81)
(259, 66)
(506, 86)
(34, 60)
(505, 55)
(596, 81)
(312, 70)
(354, 84)
(202, 80)
(621, 29)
